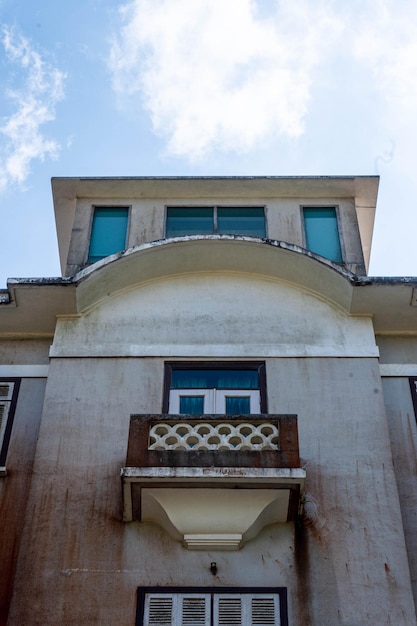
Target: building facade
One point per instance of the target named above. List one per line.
(210, 418)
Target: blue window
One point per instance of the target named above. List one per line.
(189, 221)
(108, 234)
(182, 221)
(231, 389)
(322, 233)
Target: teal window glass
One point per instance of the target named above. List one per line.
(214, 379)
(189, 221)
(322, 234)
(241, 221)
(237, 406)
(108, 234)
(192, 405)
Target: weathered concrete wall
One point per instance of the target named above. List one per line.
(356, 539)
(215, 314)
(345, 564)
(397, 349)
(79, 564)
(403, 433)
(398, 356)
(24, 351)
(283, 222)
(14, 488)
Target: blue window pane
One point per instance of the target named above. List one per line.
(189, 221)
(248, 221)
(237, 406)
(214, 379)
(108, 234)
(191, 405)
(322, 234)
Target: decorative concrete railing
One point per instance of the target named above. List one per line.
(217, 436)
(213, 441)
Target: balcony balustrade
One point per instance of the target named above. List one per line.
(212, 481)
(263, 441)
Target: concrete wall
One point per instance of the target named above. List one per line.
(345, 564)
(24, 352)
(283, 217)
(215, 314)
(14, 488)
(80, 564)
(400, 355)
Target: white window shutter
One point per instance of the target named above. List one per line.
(265, 610)
(228, 610)
(195, 610)
(158, 610)
(6, 390)
(246, 610)
(177, 610)
(4, 412)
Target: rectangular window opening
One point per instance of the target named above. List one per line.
(213, 606)
(9, 389)
(183, 221)
(214, 388)
(108, 233)
(322, 232)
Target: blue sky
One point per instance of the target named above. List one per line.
(205, 87)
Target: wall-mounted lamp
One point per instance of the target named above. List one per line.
(213, 568)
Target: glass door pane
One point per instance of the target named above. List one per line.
(237, 401)
(191, 401)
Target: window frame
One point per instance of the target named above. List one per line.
(413, 389)
(94, 207)
(213, 397)
(338, 224)
(259, 366)
(281, 592)
(7, 431)
(215, 208)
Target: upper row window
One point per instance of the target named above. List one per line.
(108, 232)
(215, 221)
(322, 232)
(109, 227)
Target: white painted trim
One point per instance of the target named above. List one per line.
(24, 371)
(247, 475)
(3, 470)
(398, 369)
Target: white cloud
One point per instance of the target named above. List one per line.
(386, 43)
(219, 75)
(34, 103)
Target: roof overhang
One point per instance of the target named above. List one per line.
(31, 306)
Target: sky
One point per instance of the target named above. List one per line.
(205, 88)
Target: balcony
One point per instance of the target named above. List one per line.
(212, 481)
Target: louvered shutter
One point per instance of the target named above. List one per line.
(246, 610)
(265, 610)
(228, 610)
(6, 392)
(195, 610)
(177, 610)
